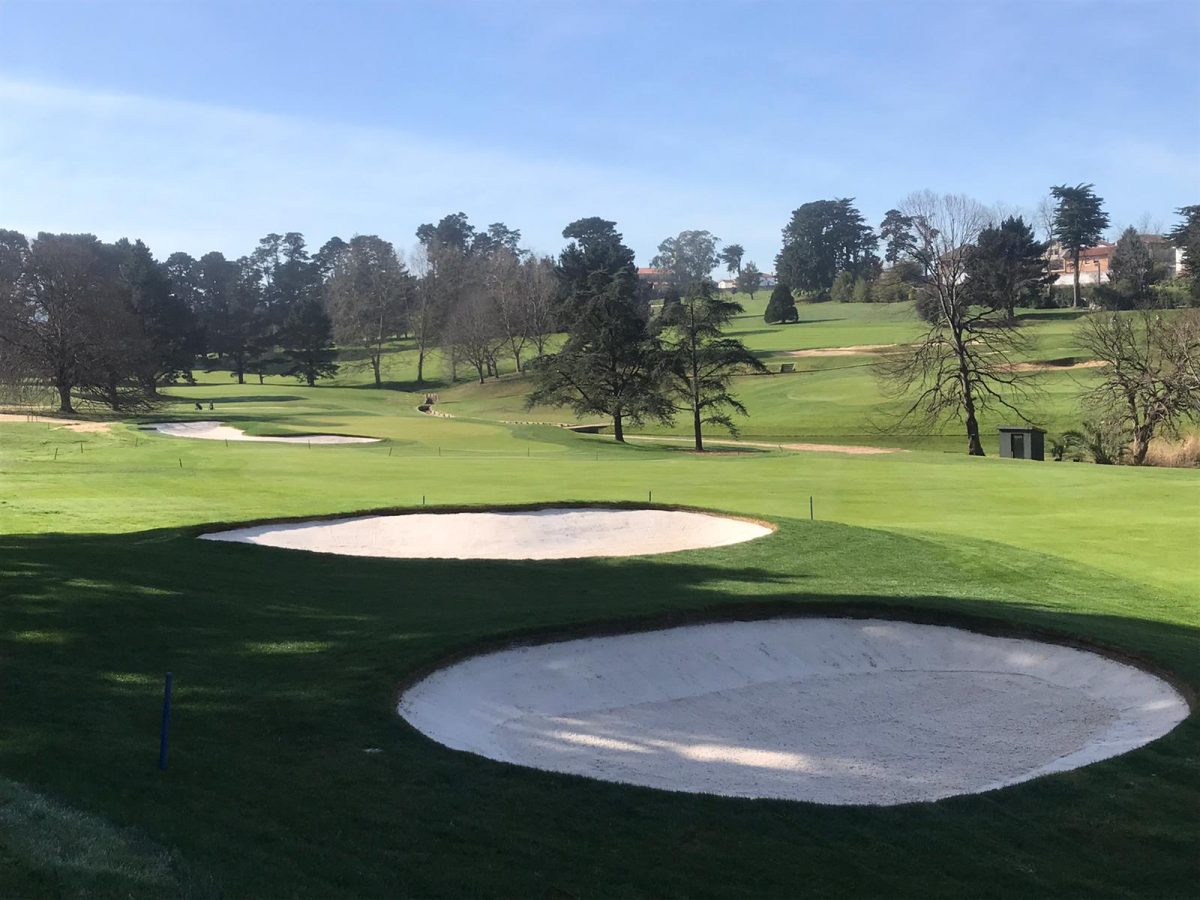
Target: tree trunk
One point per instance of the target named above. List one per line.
(479, 369)
(974, 445)
(261, 378)
(420, 366)
(1141, 444)
(375, 367)
(1075, 293)
(618, 427)
(64, 398)
(696, 425)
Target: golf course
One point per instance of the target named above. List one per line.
(291, 772)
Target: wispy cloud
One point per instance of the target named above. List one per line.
(196, 177)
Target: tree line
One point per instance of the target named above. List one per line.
(969, 273)
(110, 324)
(829, 252)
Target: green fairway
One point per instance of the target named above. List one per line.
(288, 664)
(835, 399)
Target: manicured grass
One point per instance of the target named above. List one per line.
(128, 480)
(834, 399)
(287, 667)
(288, 664)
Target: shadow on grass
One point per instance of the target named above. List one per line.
(410, 387)
(288, 664)
(1029, 317)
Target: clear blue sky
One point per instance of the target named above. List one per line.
(202, 126)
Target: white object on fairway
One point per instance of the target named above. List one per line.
(525, 534)
(215, 431)
(836, 711)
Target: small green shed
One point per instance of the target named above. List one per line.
(1024, 442)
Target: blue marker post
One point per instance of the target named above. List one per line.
(166, 725)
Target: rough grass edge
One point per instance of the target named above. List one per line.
(83, 855)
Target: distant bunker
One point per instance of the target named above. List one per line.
(552, 533)
(218, 431)
(828, 710)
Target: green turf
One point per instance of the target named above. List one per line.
(288, 664)
(836, 399)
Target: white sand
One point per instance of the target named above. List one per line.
(77, 425)
(835, 711)
(526, 534)
(215, 431)
(856, 350)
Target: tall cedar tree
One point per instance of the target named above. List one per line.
(169, 328)
(896, 233)
(306, 340)
(963, 362)
(823, 238)
(1186, 236)
(610, 364)
(781, 307)
(701, 361)
(1079, 223)
(749, 280)
(1007, 267)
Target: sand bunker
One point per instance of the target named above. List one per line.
(836, 711)
(1055, 367)
(76, 425)
(215, 431)
(855, 350)
(525, 534)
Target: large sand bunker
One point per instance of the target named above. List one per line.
(216, 431)
(524, 534)
(838, 711)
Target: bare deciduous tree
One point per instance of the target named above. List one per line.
(473, 333)
(503, 281)
(1151, 380)
(963, 362)
(539, 290)
(435, 268)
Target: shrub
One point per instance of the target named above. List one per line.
(781, 307)
(843, 288)
(1103, 442)
(1181, 454)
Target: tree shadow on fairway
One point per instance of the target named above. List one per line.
(222, 399)
(287, 667)
(408, 387)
